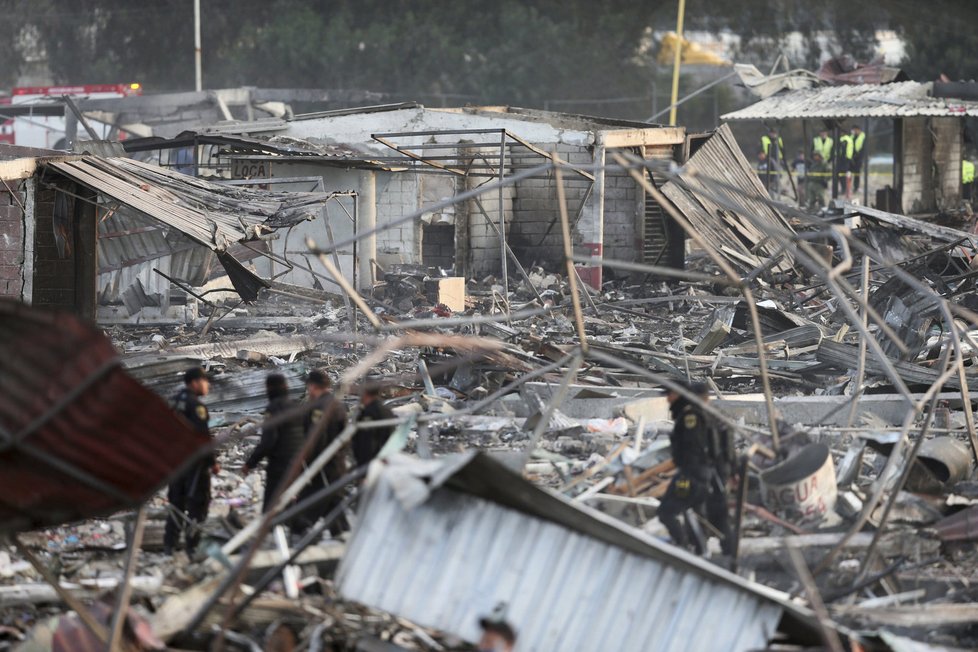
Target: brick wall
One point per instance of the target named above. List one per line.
(931, 160)
(54, 275)
(12, 239)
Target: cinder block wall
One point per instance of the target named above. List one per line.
(622, 233)
(12, 239)
(931, 164)
(54, 276)
(535, 234)
(948, 143)
(484, 250)
(398, 193)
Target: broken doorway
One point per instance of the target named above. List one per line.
(438, 246)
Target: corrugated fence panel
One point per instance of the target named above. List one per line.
(452, 559)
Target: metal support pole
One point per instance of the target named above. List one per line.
(835, 160)
(198, 78)
(502, 220)
(865, 154)
(677, 60)
(125, 589)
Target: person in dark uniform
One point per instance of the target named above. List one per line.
(280, 443)
(723, 465)
(190, 493)
(697, 448)
(324, 403)
(368, 442)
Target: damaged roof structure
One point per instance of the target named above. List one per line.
(929, 141)
(87, 220)
(406, 158)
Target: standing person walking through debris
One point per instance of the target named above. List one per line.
(369, 440)
(323, 404)
(772, 145)
(816, 182)
(697, 450)
(280, 442)
(190, 493)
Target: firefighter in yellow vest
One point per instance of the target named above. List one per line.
(772, 145)
(967, 179)
(822, 145)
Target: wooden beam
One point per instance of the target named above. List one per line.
(642, 137)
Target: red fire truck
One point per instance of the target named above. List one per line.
(49, 131)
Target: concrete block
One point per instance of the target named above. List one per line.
(587, 402)
(823, 410)
(449, 291)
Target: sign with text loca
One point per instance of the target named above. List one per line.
(245, 169)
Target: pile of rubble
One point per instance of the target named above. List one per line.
(846, 382)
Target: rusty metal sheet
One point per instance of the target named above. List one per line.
(79, 437)
(962, 526)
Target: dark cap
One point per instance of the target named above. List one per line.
(693, 387)
(194, 373)
(276, 386)
(319, 378)
(500, 627)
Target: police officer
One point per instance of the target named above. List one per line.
(190, 493)
(697, 450)
(368, 441)
(324, 405)
(280, 442)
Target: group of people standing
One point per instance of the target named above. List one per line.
(813, 169)
(289, 430)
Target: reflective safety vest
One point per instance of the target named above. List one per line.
(823, 147)
(766, 146)
(967, 171)
(848, 146)
(858, 141)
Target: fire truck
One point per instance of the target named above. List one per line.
(48, 132)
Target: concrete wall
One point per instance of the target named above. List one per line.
(12, 238)
(931, 150)
(398, 193)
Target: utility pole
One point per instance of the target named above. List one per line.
(197, 63)
(676, 61)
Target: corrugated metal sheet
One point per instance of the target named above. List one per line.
(212, 214)
(573, 579)
(78, 436)
(900, 99)
(232, 395)
(744, 239)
